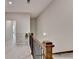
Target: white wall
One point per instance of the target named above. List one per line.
(57, 22)
(22, 25)
(33, 26)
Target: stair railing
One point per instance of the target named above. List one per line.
(42, 50)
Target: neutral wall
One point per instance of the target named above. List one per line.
(57, 22)
(33, 26)
(22, 25)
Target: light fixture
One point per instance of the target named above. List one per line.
(10, 2)
(44, 34)
(28, 1)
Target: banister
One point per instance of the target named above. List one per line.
(46, 47)
(48, 50)
(39, 43)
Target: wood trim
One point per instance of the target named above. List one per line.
(63, 52)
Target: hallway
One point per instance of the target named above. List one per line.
(49, 20)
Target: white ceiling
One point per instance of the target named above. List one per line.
(35, 7)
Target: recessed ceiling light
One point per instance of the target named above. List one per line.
(10, 2)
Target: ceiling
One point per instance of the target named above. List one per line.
(34, 8)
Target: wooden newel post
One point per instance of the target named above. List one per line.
(48, 50)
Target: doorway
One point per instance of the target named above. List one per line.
(10, 30)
